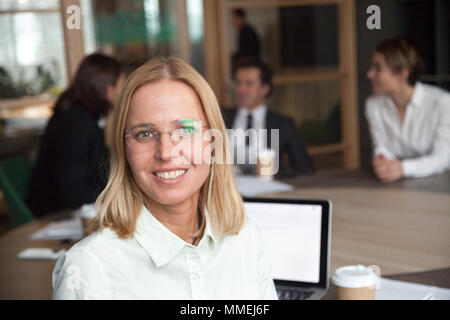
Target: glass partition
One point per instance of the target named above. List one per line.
(28, 4)
(32, 58)
(292, 39)
(315, 108)
(196, 34)
(135, 31)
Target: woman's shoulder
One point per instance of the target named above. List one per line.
(250, 239)
(435, 100)
(431, 91)
(95, 243)
(74, 125)
(250, 231)
(75, 114)
(93, 253)
(80, 272)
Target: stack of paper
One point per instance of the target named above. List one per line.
(252, 186)
(400, 290)
(65, 229)
(40, 254)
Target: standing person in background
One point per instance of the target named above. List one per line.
(72, 161)
(409, 121)
(248, 40)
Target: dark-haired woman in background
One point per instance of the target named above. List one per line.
(71, 166)
(409, 121)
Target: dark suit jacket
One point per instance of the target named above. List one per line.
(71, 167)
(291, 142)
(248, 45)
(248, 42)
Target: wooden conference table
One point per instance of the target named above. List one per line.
(402, 227)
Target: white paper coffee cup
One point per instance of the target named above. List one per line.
(266, 163)
(355, 282)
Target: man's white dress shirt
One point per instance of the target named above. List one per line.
(157, 264)
(258, 115)
(422, 140)
(257, 141)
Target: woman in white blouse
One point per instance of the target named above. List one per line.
(170, 225)
(409, 121)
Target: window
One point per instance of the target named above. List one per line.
(32, 59)
(135, 31)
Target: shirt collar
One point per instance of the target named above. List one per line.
(259, 110)
(160, 243)
(417, 96)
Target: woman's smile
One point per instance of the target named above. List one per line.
(170, 176)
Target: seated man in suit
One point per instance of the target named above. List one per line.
(253, 84)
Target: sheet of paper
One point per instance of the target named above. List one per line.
(40, 254)
(66, 229)
(252, 186)
(401, 290)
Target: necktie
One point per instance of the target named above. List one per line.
(249, 126)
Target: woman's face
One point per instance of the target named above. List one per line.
(383, 79)
(166, 173)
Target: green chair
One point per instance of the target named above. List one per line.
(14, 178)
(317, 132)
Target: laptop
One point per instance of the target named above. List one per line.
(298, 234)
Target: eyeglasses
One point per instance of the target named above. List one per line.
(143, 134)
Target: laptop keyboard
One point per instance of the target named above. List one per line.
(293, 294)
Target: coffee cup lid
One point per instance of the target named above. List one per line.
(266, 153)
(357, 276)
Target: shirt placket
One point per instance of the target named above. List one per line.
(195, 270)
(396, 133)
(406, 130)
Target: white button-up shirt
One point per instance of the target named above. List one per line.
(422, 141)
(258, 117)
(258, 123)
(157, 264)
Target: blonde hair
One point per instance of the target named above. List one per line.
(121, 201)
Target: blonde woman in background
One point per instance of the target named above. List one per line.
(167, 230)
(409, 121)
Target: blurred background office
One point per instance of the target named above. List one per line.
(319, 52)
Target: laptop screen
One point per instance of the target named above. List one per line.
(293, 233)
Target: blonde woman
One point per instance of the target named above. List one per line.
(168, 227)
